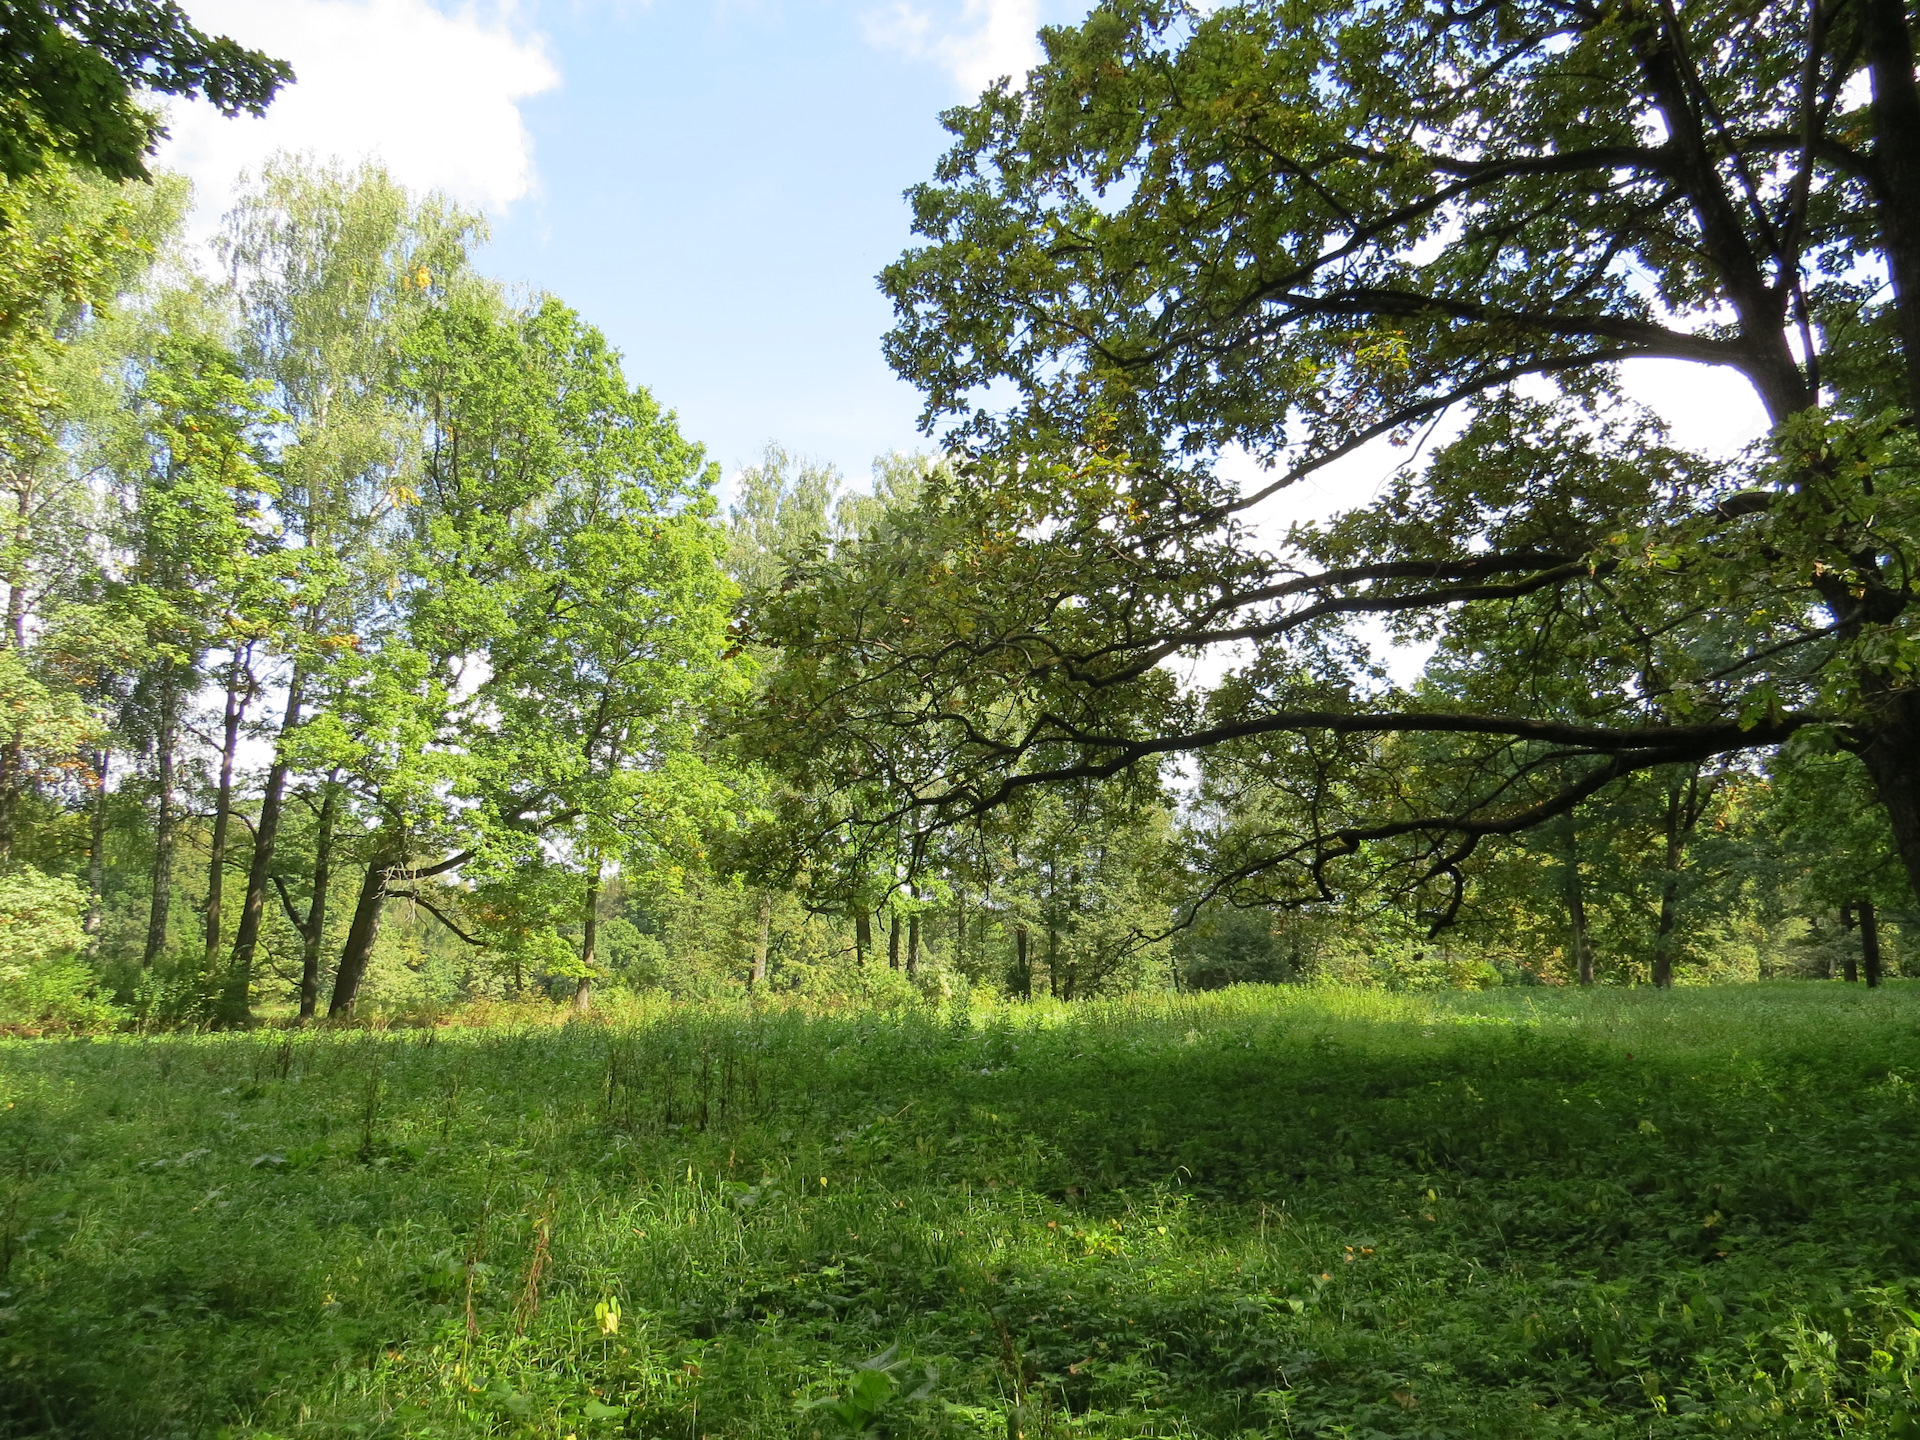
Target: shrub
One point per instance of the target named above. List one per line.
(44, 982)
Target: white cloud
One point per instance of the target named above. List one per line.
(988, 39)
(434, 95)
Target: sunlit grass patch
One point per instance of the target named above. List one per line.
(1260, 1212)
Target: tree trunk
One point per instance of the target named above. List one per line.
(313, 933)
(893, 941)
(1892, 757)
(1685, 801)
(862, 936)
(589, 942)
(1663, 935)
(913, 945)
(13, 763)
(758, 977)
(13, 753)
(1869, 942)
(1053, 932)
(266, 835)
(1848, 969)
(361, 934)
(1576, 900)
(17, 550)
(1895, 116)
(1022, 963)
(161, 901)
(97, 846)
(235, 1006)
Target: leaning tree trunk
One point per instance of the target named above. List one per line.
(361, 934)
(265, 836)
(160, 903)
(313, 932)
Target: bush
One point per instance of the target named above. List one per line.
(1237, 947)
(44, 982)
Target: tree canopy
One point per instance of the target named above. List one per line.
(1289, 231)
(72, 73)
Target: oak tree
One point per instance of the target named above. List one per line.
(1286, 231)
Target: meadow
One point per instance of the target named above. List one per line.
(1281, 1212)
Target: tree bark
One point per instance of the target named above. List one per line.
(913, 945)
(893, 941)
(862, 936)
(97, 846)
(17, 551)
(361, 934)
(1576, 901)
(1891, 754)
(13, 763)
(1895, 113)
(1686, 800)
(1892, 751)
(13, 753)
(758, 976)
(589, 942)
(235, 1006)
(1664, 933)
(160, 903)
(1869, 942)
(266, 835)
(1849, 970)
(1022, 963)
(313, 933)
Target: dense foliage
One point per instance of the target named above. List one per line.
(1290, 232)
(341, 581)
(76, 77)
(372, 642)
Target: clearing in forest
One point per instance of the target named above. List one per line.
(1263, 1212)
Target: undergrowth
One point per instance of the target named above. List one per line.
(1272, 1213)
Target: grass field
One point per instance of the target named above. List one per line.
(1285, 1213)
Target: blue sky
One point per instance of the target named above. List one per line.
(715, 183)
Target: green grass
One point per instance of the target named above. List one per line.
(1521, 1213)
